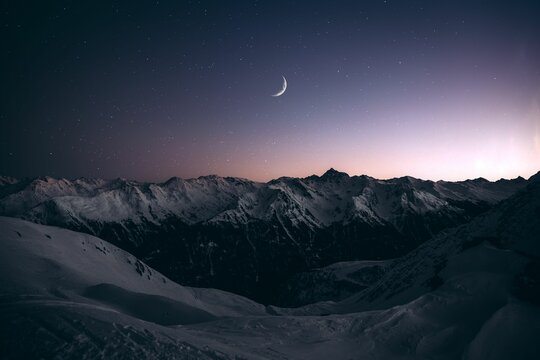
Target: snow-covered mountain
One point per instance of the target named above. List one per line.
(500, 247)
(65, 294)
(313, 201)
(52, 262)
(504, 241)
(471, 292)
(251, 237)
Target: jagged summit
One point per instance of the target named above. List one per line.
(173, 180)
(479, 180)
(519, 178)
(333, 173)
(313, 201)
(408, 180)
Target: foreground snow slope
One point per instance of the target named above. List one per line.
(473, 316)
(46, 261)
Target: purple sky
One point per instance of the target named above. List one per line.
(437, 90)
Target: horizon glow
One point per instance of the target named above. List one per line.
(382, 88)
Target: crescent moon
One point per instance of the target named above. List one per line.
(283, 87)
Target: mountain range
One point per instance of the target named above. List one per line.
(469, 291)
(253, 238)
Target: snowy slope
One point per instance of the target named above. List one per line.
(51, 262)
(120, 200)
(500, 244)
(503, 240)
(469, 293)
(44, 314)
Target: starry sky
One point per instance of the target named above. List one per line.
(152, 89)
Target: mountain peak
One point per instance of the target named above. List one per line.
(333, 173)
(408, 180)
(480, 180)
(535, 177)
(173, 181)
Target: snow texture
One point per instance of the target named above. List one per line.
(469, 293)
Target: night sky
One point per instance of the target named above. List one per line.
(152, 89)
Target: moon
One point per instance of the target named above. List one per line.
(283, 88)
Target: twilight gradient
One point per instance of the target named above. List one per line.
(432, 89)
